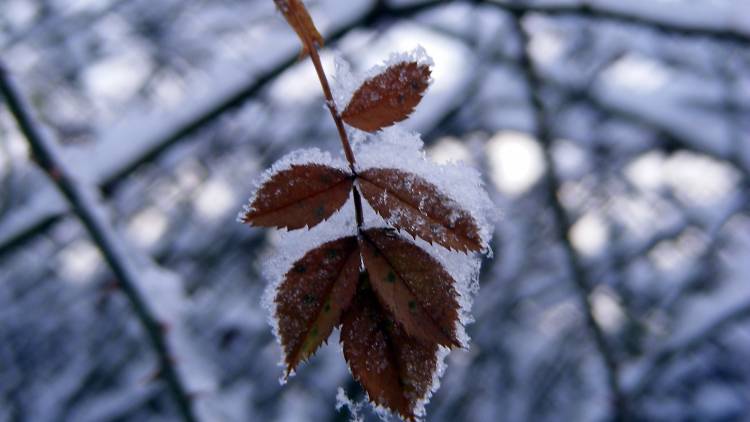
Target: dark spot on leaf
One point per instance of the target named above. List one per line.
(327, 307)
(308, 298)
(300, 269)
(391, 278)
(412, 305)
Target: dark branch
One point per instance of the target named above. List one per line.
(81, 202)
(581, 282)
(584, 10)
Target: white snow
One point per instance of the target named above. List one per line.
(516, 162)
(346, 83)
(79, 260)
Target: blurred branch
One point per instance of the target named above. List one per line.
(562, 222)
(74, 22)
(84, 205)
(602, 12)
(667, 136)
(654, 365)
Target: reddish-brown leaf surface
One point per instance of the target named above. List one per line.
(412, 285)
(396, 370)
(303, 195)
(411, 203)
(387, 98)
(299, 19)
(314, 293)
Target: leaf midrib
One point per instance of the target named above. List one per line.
(425, 213)
(304, 198)
(403, 280)
(296, 351)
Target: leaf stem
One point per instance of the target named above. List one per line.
(332, 106)
(339, 126)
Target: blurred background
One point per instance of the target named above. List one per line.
(613, 137)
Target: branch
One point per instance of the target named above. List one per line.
(562, 222)
(654, 365)
(84, 205)
(593, 11)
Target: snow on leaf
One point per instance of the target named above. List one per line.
(412, 285)
(303, 195)
(313, 295)
(395, 370)
(299, 19)
(387, 98)
(411, 203)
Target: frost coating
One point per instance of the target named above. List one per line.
(396, 148)
(346, 82)
(287, 247)
(420, 407)
(418, 55)
(342, 400)
(303, 156)
(418, 295)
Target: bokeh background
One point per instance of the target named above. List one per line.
(613, 137)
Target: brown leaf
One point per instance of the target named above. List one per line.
(314, 293)
(412, 285)
(387, 98)
(303, 195)
(411, 203)
(396, 370)
(299, 19)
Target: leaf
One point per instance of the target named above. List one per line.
(387, 98)
(395, 369)
(303, 195)
(411, 203)
(314, 293)
(299, 19)
(412, 285)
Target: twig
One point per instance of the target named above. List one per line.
(359, 215)
(84, 206)
(563, 223)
